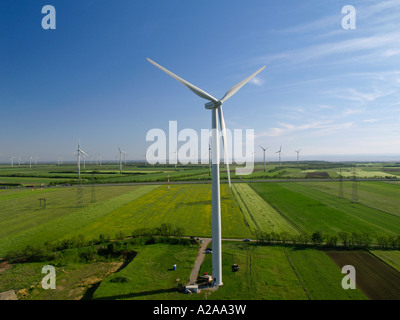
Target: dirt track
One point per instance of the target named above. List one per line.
(199, 260)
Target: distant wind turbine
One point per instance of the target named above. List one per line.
(298, 151)
(264, 149)
(280, 150)
(215, 106)
(79, 152)
(121, 152)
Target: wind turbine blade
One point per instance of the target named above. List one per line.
(198, 91)
(235, 88)
(81, 151)
(225, 142)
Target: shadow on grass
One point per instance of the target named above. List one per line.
(90, 292)
(138, 294)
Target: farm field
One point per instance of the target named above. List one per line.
(264, 274)
(376, 279)
(150, 275)
(258, 213)
(53, 174)
(72, 280)
(122, 209)
(390, 257)
(320, 276)
(187, 206)
(311, 210)
(23, 221)
(379, 195)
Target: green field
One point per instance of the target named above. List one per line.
(258, 213)
(121, 209)
(392, 258)
(320, 276)
(311, 210)
(141, 172)
(150, 275)
(23, 221)
(187, 206)
(379, 195)
(266, 272)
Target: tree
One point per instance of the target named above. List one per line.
(344, 237)
(317, 237)
(332, 240)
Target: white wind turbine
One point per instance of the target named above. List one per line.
(79, 152)
(298, 151)
(216, 106)
(280, 150)
(99, 157)
(121, 152)
(264, 149)
(12, 160)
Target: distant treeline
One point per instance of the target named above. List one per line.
(342, 239)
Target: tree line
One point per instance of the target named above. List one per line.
(341, 239)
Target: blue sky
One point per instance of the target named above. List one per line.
(331, 92)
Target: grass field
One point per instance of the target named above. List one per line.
(382, 196)
(121, 209)
(258, 213)
(141, 172)
(23, 221)
(311, 209)
(150, 275)
(187, 206)
(320, 276)
(72, 281)
(392, 258)
(264, 274)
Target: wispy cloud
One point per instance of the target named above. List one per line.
(257, 81)
(372, 120)
(317, 127)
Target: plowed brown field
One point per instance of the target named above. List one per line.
(375, 278)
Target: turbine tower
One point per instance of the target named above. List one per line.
(215, 106)
(209, 160)
(264, 149)
(298, 151)
(79, 152)
(121, 152)
(280, 150)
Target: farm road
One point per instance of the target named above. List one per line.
(199, 260)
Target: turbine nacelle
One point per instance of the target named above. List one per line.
(212, 105)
